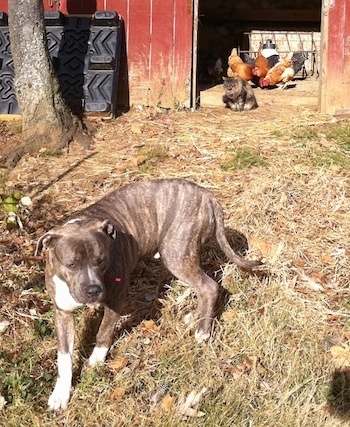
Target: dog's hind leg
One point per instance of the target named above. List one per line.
(185, 268)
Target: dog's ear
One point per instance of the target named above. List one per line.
(46, 241)
(109, 229)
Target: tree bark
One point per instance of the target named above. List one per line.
(47, 121)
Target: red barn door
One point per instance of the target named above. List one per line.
(159, 50)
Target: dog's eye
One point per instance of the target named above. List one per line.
(72, 265)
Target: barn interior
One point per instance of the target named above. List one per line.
(291, 25)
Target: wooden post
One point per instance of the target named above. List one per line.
(334, 94)
(194, 93)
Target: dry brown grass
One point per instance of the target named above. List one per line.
(283, 180)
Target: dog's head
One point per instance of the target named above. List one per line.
(77, 256)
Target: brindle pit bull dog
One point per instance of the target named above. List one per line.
(89, 259)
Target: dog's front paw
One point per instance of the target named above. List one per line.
(201, 336)
(59, 398)
(98, 356)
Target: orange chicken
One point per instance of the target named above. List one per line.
(238, 68)
(282, 72)
(261, 65)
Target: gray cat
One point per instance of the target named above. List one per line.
(239, 94)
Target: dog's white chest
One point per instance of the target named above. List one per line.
(63, 298)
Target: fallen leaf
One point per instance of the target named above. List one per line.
(3, 326)
(340, 355)
(327, 259)
(266, 250)
(320, 277)
(298, 262)
(117, 394)
(118, 364)
(150, 325)
(311, 283)
(229, 315)
(253, 362)
(167, 402)
(188, 407)
(234, 372)
(138, 160)
(135, 128)
(332, 341)
(245, 368)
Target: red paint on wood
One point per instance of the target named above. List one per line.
(138, 42)
(335, 89)
(159, 43)
(162, 52)
(183, 49)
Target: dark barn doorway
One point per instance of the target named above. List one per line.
(247, 25)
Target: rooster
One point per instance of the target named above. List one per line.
(282, 72)
(262, 64)
(238, 68)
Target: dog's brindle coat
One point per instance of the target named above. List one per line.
(90, 258)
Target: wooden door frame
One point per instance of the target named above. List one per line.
(194, 94)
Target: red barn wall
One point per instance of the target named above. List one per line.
(158, 45)
(335, 61)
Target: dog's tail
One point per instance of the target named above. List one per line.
(221, 238)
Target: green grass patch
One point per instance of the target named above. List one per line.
(278, 133)
(305, 134)
(150, 157)
(341, 135)
(242, 158)
(330, 158)
(23, 377)
(48, 153)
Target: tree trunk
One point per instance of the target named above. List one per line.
(47, 121)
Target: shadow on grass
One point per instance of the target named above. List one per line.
(339, 394)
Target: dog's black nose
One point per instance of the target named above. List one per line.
(93, 291)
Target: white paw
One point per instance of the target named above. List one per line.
(98, 356)
(59, 398)
(200, 336)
